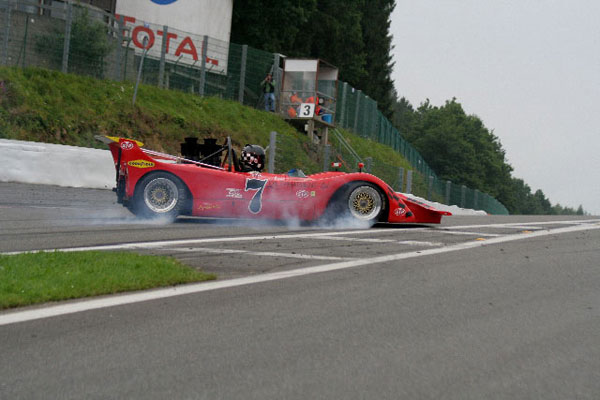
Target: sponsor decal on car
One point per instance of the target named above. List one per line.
(234, 193)
(208, 206)
(141, 164)
(127, 145)
(399, 211)
(302, 194)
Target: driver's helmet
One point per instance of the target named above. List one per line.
(253, 158)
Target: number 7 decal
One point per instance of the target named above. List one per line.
(259, 185)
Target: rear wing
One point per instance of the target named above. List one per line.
(117, 144)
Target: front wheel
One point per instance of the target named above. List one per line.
(365, 203)
(358, 201)
(159, 195)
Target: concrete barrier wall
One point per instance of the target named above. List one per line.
(53, 164)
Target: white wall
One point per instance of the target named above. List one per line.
(53, 164)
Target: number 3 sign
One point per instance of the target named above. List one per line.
(307, 110)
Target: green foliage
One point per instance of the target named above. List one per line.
(89, 45)
(461, 149)
(375, 25)
(40, 277)
(48, 106)
(276, 26)
(351, 34)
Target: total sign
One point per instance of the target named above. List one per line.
(188, 22)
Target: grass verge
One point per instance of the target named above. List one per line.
(33, 278)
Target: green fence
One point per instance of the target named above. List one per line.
(76, 38)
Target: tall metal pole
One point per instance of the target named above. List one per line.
(203, 70)
(139, 76)
(163, 56)
(6, 33)
(272, 150)
(67, 43)
(243, 74)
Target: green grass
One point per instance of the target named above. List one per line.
(32, 278)
(48, 106)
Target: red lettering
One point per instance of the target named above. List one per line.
(136, 41)
(168, 38)
(190, 49)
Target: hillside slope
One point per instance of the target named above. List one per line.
(48, 106)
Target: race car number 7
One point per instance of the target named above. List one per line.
(259, 185)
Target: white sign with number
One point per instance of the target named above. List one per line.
(307, 110)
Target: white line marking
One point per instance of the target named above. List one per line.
(407, 242)
(349, 239)
(510, 224)
(470, 233)
(420, 243)
(87, 305)
(162, 243)
(150, 245)
(252, 253)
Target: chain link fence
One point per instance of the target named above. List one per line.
(77, 38)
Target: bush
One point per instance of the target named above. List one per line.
(89, 45)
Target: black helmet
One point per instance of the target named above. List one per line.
(253, 158)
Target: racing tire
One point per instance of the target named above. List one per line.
(159, 195)
(358, 201)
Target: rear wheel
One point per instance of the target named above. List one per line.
(159, 195)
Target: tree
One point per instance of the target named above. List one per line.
(277, 26)
(88, 46)
(337, 38)
(377, 39)
(457, 146)
(353, 35)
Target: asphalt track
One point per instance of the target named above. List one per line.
(479, 307)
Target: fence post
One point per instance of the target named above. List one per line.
(139, 76)
(448, 189)
(430, 188)
(475, 198)
(277, 79)
(6, 33)
(409, 175)
(243, 74)
(326, 157)
(119, 50)
(163, 55)
(272, 150)
(343, 106)
(356, 111)
(463, 192)
(369, 164)
(203, 68)
(67, 43)
(400, 178)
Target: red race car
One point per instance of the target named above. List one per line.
(211, 181)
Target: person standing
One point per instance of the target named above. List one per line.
(268, 88)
